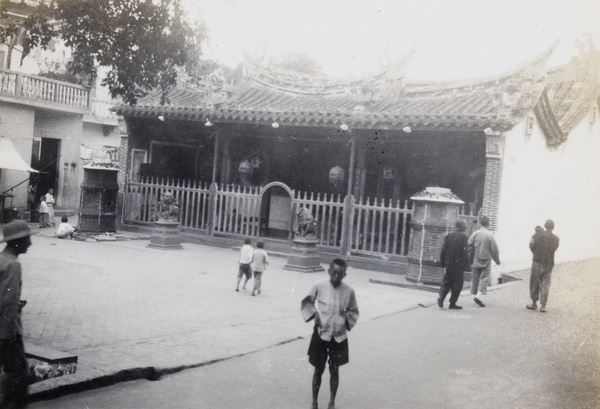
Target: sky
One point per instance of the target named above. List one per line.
(451, 39)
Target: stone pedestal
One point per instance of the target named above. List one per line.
(305, 256)
(166, 236)
(434, 212)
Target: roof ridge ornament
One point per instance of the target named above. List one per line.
(299, 83)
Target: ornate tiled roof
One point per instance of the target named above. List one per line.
(571, 91)
(384, 101)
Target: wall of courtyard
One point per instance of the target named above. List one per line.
(560, 183)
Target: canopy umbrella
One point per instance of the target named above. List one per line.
(10, 158)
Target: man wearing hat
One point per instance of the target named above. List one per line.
(12, 353)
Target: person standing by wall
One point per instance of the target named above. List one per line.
(12, 352)
(482, 249)
(332, 305)
(543, 249)
(50, 204)
(455, 259)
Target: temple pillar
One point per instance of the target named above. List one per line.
(494, 153)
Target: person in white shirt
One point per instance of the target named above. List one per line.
(50, 204)
(332, 304)
(260, 260)
(43, 211)
(244, 264)
(65, 229)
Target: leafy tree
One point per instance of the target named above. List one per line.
(22, 24)
(142, 42)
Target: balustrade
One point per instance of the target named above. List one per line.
(33, 87)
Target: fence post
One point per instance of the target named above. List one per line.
(346, 220)
(212, 202)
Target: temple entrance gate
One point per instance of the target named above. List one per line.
(276, 211)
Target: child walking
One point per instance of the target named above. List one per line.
(259, 265)
(244, 262)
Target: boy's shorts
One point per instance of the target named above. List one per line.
(245, 270)
(319, 351)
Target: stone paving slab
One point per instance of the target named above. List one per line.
(128, 311)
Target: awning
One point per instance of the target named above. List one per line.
(10, 158)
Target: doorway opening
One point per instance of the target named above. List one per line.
(276, 213)
(45, 155)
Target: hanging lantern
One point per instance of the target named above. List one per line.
(246, 169)
(336, 175)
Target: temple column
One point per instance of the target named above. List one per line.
(495, 142)
(346, 217)
(124, 165)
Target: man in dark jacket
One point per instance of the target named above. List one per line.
(455, 259)
(543, 250)
(12, 353)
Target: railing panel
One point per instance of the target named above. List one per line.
(8, 82)
(374, 227)
(379, 228)
(142, 201)
(237, 210)
(33, 87)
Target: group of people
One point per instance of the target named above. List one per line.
(330, 303)
(461, 253)
(252, 261)
(47, 218)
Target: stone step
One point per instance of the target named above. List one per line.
(45, 363)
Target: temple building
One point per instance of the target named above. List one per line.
(243, 158)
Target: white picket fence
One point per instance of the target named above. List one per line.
(142, 198)
(237, 210)
(377, 227)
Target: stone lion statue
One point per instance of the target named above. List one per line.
(168, 208)
(307, 224)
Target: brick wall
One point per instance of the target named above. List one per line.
(124, 154)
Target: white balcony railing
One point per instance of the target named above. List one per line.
(35, 88)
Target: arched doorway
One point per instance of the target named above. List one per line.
(276, 211)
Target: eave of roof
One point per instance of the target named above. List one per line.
(386, 101)
(571, 92)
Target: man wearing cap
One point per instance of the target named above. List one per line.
(12, 353)
(543, 251)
